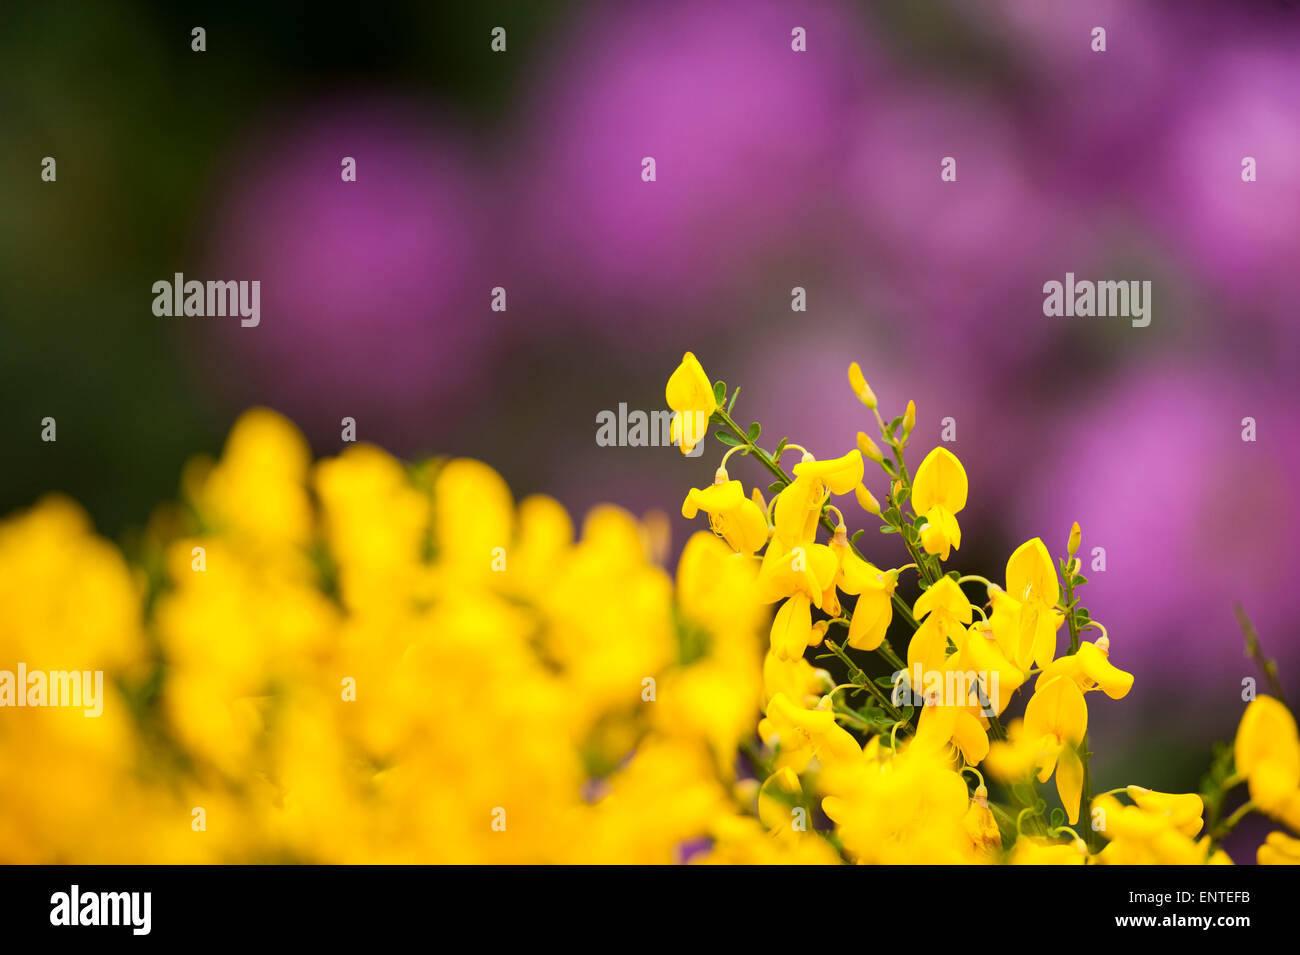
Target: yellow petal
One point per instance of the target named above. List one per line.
(841, 474)
(944, 595)
(689, 388)
(1030, 574)
(1057, 708)
(871, 616)
(792, 627)
(860, 386)
(1069, 781)
(940, 482)
(1267, 734)
(1096, 664)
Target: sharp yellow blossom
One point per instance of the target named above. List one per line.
(690, 396)
(939, 493)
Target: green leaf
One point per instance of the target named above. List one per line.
(776, 487)
(755, 429)
(856, 534)
(732, 403)
(1058, 817)
(888, 530)
(726, 437)
(719, 391)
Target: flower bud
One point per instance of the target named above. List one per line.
(860, 386)
(869, 448)
(909, 418)
(1075, 535)
(866, 500)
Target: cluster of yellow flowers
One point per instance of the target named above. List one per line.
(359, 660)
(915, 791)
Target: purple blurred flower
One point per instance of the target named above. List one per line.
(369, 287)
(747, 136)
(959, 266)
(1241, 235)
(1191, 517)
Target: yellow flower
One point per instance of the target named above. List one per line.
(1267, 753)
(1279, 849)
(961, 724)
(939, 493)
(794, 677)
(732, 516)
(1091, 669)
(1036, 850)
(999, 678)
(866, 500)
(797, 511)
(860, 386)
(1057, 717)
(690, 396)
(869, 448)
(875, 607)
(1014, 758)
(808, 569)
(798, 734)
(1025, 619)
(904, 810)
(981, 827)
(840, 474)
(1140, 836)
(1182, 810)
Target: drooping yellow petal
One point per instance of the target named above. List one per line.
(941, 533)
(1069, 781)
(971, 737)
(798, 508)
(792, 627)
(871, 615)
(1057, 708)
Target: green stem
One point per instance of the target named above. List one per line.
(886, 651)
(1229, 824)
(861, 679)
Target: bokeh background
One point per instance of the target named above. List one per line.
(775, 169)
